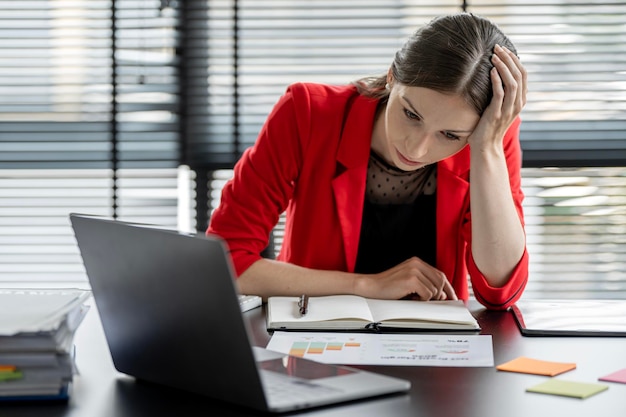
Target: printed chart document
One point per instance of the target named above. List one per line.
(387, 349)
(351, 312)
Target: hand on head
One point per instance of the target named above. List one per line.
(509, 83)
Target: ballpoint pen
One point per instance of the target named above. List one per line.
(303, 304)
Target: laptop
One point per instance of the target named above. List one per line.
(171, 315)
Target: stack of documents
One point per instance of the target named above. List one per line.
(37, 330)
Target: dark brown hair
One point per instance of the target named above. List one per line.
(451, 54)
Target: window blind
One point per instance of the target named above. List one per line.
(576, 232)
(244, 53)
(103, 102)
(89, 105)
(575, 54)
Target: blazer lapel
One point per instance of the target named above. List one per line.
(452, 202)
(349, 182)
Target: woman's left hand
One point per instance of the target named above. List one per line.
(509, 82)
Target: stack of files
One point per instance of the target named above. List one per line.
(37, 328)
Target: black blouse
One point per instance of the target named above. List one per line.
(392, 233)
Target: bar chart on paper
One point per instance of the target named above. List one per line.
(319, 348)
(392, 349)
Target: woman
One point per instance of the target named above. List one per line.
(397, 186)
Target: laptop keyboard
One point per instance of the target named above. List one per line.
(281, 389)
(248, 302)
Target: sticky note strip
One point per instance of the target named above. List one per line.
(568, 388)
(9, 375)
(535, 366)
(619, 376)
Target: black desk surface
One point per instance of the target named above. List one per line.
(101, 391)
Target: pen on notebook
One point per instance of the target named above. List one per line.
(303, 304)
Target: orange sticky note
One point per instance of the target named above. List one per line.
(7, 368)
(535, 366)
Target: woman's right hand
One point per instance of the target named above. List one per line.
(412, 278)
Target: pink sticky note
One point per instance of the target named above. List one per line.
(619, 376)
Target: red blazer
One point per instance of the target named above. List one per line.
(310, 159)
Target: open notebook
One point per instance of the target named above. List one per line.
(351, 312)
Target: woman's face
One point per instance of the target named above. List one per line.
(420, 126)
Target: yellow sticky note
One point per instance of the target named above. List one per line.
(534, 366)
(568, 388)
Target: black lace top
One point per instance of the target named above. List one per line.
(398, 217)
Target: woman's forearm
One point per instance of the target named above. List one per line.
(269, 278)
(412, 277)
(498, 238)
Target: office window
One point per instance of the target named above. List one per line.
(576, 232)
(575, 116)
(575, 54)
(89, 108)
(242, 54)
(104, 104)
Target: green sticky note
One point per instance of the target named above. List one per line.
(568, 388)
(8, 375)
